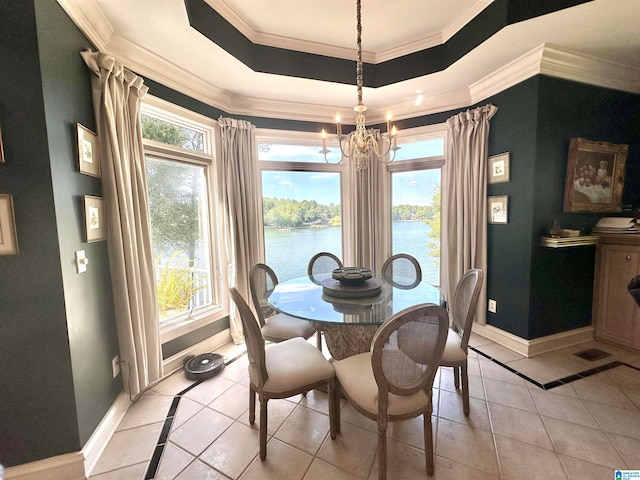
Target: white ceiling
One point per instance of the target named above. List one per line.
(597, 42)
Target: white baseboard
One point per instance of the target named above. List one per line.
(210, 344)
(537, 346)
(62, 467)
(104, 431)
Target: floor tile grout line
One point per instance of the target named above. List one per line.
(154, 463)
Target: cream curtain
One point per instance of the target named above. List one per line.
(117, 94)
(371, 199)
(464, 243)
(241, 206)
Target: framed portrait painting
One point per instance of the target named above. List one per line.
(595, 176)
(88, 158)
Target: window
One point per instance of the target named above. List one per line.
(302, 203)
(180, 182)
(416, 194)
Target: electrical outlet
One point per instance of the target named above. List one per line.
(115, 365)
(493, 305)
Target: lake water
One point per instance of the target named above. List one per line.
(289, 251)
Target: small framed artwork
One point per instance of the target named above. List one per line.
(498, 208)
(1, 147)
(88, 158)
(95, 226)
(595, 176)
(8, 237)
(499, 168)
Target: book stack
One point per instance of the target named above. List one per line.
(558, 242)
(617, 225)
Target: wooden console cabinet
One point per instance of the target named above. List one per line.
(616, 315)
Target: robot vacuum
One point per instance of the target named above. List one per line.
(201, 367)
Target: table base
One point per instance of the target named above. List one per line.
(346, 340)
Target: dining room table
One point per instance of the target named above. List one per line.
(348, 315)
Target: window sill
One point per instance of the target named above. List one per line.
(187, 324)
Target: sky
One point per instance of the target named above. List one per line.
(409, 188)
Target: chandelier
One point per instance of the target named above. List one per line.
(359, 145)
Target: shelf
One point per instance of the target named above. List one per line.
(564, 242)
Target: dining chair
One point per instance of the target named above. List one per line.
(394, 380)
(463, 310)
(322, 263)
(281, 370)
(402, 270)
(275, 326)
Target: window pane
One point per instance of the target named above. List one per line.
(179, 226)
(416, 219)
(171, 134)
(302, 216)
(421, 149)
(296, 153)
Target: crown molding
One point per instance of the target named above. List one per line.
(277, 41)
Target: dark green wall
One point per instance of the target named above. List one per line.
(57, 333)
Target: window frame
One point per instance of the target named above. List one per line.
(309, 139)
(185, 323)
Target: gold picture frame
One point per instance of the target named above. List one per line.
(498, 209)
(8, 237)
(87, 146)
(499, 168)
(94, 219)
(595, 176)
(1, 147)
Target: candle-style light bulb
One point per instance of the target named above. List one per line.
(339, 127)
(324, 138)
(389, 122)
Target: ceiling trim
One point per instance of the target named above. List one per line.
(545, 59)
(287, 43)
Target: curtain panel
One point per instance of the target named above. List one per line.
(464, 242)
(117, 94)
(241, 205)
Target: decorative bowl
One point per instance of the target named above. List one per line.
(352, 275)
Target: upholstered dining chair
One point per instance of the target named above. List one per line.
(322, 263)
(394, 381)
(462, 309)
(281, 370)
(402, 270)
(275, 326)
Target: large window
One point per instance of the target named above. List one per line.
(302, 205)
(180, 183)
(305, 205)
(416, 187)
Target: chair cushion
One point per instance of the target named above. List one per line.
(283, 327)
(292, 364)
(355, 375)
(452, 351)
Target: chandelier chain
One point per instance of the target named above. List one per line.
(359, 43)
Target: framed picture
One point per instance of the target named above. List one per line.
(499, 168)
(8, 238)
(95, 227)
(88, 158)
(498, 209)
(595, 176)
(1, 147)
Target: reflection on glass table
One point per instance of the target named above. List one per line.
(348, 320)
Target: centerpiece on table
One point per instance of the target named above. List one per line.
(352, 282)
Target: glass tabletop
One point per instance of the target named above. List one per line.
(306, 298)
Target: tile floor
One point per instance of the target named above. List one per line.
(580, 430)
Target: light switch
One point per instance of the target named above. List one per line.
(81, 261)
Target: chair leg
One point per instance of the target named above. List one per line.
(319, 340)
(331, 390)
(456, 376)
(382, 447)
(263, 427)
(465, 389)
(252, 405)
(428, 443)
